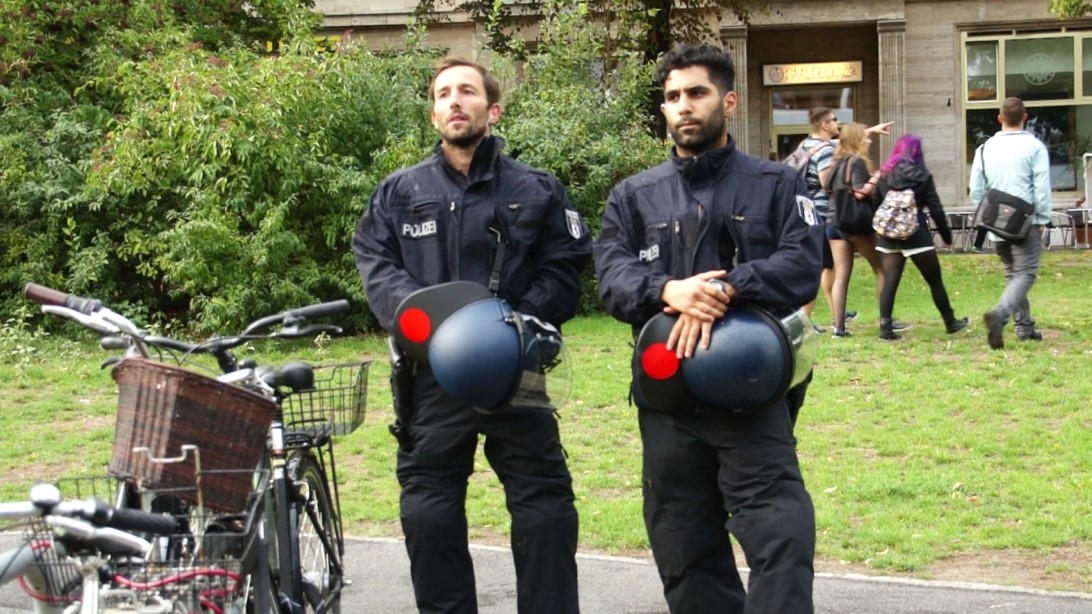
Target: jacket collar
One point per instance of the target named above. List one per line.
(484, 162)
(706, 164)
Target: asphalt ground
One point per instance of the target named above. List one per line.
(379, 570)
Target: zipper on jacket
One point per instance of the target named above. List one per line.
(453, 243)
(741, 256)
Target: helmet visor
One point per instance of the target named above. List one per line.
(546, 378)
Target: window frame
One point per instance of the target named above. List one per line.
(1001, 38)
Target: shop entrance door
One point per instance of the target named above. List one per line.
(789, 108)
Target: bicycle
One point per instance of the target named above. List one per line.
(281, 420)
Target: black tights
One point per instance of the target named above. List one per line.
(929, 265)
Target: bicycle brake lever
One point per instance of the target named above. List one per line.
(113, 360)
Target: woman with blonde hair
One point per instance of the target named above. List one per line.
(853, 177)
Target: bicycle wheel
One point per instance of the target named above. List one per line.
(312, 518)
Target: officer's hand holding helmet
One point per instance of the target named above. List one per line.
(753, 358)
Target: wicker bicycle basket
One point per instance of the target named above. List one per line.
(163, 408)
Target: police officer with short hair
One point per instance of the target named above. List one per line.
(469, 213)
(715, 214)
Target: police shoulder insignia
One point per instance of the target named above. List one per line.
(806, 208)
(573, 221)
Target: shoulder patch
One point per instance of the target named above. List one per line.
(573, 222)
(805, 208)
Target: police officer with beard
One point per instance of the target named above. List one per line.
(709, 230)
(469, 213)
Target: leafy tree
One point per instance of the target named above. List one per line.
(584, 124)
(1069, 9)
(187, 176)
(650, 27)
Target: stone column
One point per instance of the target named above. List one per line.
(891, 40)
(734, 39)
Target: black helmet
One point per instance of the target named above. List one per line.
(752, 360)
(485, 354)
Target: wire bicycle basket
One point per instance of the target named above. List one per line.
(335, 406)
(163, 408)
(197, 569)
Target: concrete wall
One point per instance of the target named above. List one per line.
(933, 78)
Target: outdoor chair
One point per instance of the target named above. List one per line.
(1064, 224)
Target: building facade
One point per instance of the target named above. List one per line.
(937, 68)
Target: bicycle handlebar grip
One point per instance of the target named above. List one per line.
(128, 519)
(114, 343)
(319, 310)
(48, 296)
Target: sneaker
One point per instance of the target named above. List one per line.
(900, 325)
(818, 329)
(840, 333)
(1032, 336)
(953, 326)
(995, 329)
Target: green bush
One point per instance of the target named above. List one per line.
(239, 178)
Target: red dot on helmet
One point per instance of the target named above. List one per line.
(658, 362)
(415, 325)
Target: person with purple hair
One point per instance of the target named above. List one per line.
(906, 169)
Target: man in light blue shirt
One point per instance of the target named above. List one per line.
(1016, 162)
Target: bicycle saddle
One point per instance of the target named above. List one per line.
(295, 376)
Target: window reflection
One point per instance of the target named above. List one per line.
(791, 106)
(1039, 68)
(982, 71)
(1066, 131)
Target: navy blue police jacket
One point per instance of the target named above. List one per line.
(429, 224)
(722, 209)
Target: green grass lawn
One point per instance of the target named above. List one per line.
(913, 451)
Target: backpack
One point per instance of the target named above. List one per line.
(897, 216)
(799, 158)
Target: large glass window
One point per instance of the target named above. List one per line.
(1052, 74)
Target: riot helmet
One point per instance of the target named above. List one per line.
(752, 360)
(481, 351)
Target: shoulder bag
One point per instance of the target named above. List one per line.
(1001, 213)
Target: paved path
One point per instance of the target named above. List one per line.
(614, 585)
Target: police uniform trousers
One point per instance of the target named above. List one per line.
(523, 447)
(706, 475)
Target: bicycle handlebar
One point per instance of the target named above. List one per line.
(91, 313)
(92, 522)
(48, 296)
(297, 315)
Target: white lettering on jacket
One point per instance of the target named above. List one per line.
(650, 254)
(418, 231)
